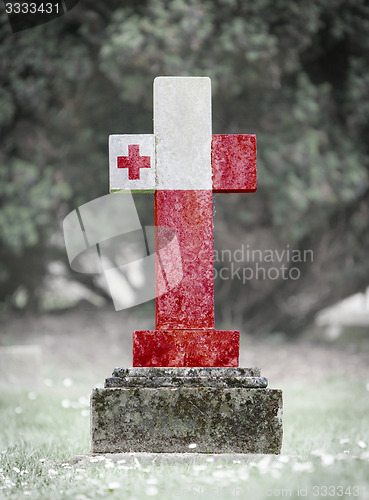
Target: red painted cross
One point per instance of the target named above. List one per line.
(189, 165)
(133, 162)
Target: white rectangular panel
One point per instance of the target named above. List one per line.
(132, 162)
(182, 128)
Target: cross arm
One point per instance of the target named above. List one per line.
(233, 159)
(132, 162)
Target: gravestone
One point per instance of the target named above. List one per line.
(185, 391)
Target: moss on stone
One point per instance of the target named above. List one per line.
(218, 420)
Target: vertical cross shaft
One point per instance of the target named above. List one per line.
(183, 199)
(190, 305)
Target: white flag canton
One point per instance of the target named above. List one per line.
(132, 162)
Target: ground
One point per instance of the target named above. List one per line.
(326, 404)
(88, 342)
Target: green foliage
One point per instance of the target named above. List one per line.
(260, 58)
(294, 73)
(315, 167)
(31, 198)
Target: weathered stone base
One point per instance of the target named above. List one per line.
(216, 416)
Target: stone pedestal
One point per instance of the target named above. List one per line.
(183, 348)
(170, 410)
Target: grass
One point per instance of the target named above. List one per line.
(325, 451)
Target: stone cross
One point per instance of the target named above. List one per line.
(184, 164)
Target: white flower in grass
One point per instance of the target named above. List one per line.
(15, 469)
(275, 473)
(52, 472)
(264, 464)
(344, 440)
(341, 456)
(67, 382)
(8, 482)
(327, 460)
(361, 444)
(318, 453)
(65, 403)
(192, 446)
(199, 467)
(42, 460)
(303, 467)
(220, 474)
(124, 467)
(114, 485)
(243, 474)
(18, 410)
(85, 413)
(32, 396)
(109, 465)
(152, 491)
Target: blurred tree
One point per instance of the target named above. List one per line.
(294, 73)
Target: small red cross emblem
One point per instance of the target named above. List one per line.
(133, 162)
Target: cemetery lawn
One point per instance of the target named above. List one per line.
(326, 433)
(325, 452)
